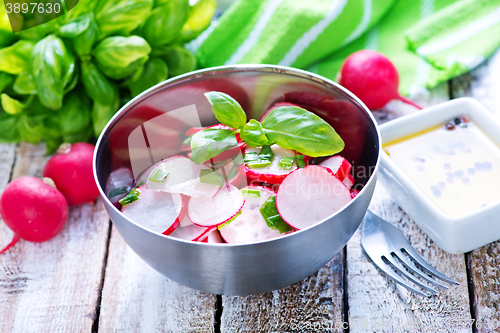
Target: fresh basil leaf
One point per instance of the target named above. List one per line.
(208, 143)
(75, 27)
(11, 105)
(155, 71)
(226, 109)
(5, 81)
(84, 42)
(15, 58)
(119, 57)
(121, 16)
(272, 217)
(74, 117)
(253, 134)
(165, 22)
(9, 127)
(294, 128)
(52, 66)
(97, 86)
(198, 20)
(25, 84)
(178, 59)
(102, 113)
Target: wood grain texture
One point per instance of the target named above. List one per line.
(483, 84)
(378, 304)
(311, 305)
(136, 298)
(54, 286)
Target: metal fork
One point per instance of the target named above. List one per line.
(389, 249)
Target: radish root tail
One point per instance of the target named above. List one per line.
(409, 101)
(15, 239)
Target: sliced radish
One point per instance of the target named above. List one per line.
(339, 166)
(207, 212)
(348, 181)
(156, 210)
(250, 226)
(310, 195)
(235, 174)
(271, 174)
(189, 231)
(118, 184)
(183, 177)
(277, 105)
(353, 192)
(213, 237)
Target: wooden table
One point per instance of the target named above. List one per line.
(88, 280)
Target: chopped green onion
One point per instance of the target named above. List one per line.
(211, 177)
(272, 217)
(187, 141)
(131, 196)
(250, 192)
(258, 163)
(158, 176)
(266, 153)
(223, 225)
(299, 159)
(118, 191)
(286, 163)
(251, 157)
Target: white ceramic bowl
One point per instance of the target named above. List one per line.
(452, 234)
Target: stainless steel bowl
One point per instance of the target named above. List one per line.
(252, 268)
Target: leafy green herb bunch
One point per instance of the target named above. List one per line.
(63, 80)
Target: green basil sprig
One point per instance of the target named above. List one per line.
(289, 127)
(210, 142)
(254, 135)
(155, 71)
(198, 20)
(52, 66)
(119, 57)
(97, 86)
(25, 84)
(292, 127)
(121, 16)
(226, 109)
(165, 22)
(178, 59)
(15, 58)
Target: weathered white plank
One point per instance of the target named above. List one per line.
(311, 305)
(378, 304)
(136, 298)
(54, 286)
(483, 84)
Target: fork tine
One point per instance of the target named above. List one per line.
(391, 274)
(401, 270)
(415, 256)
(401, 256)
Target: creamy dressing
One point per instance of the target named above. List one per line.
(457, 169)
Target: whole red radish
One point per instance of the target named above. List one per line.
(372, 77)
(71, 170)
(33, 209)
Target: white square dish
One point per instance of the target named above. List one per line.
(454, 234)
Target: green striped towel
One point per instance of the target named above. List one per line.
(429, 41)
